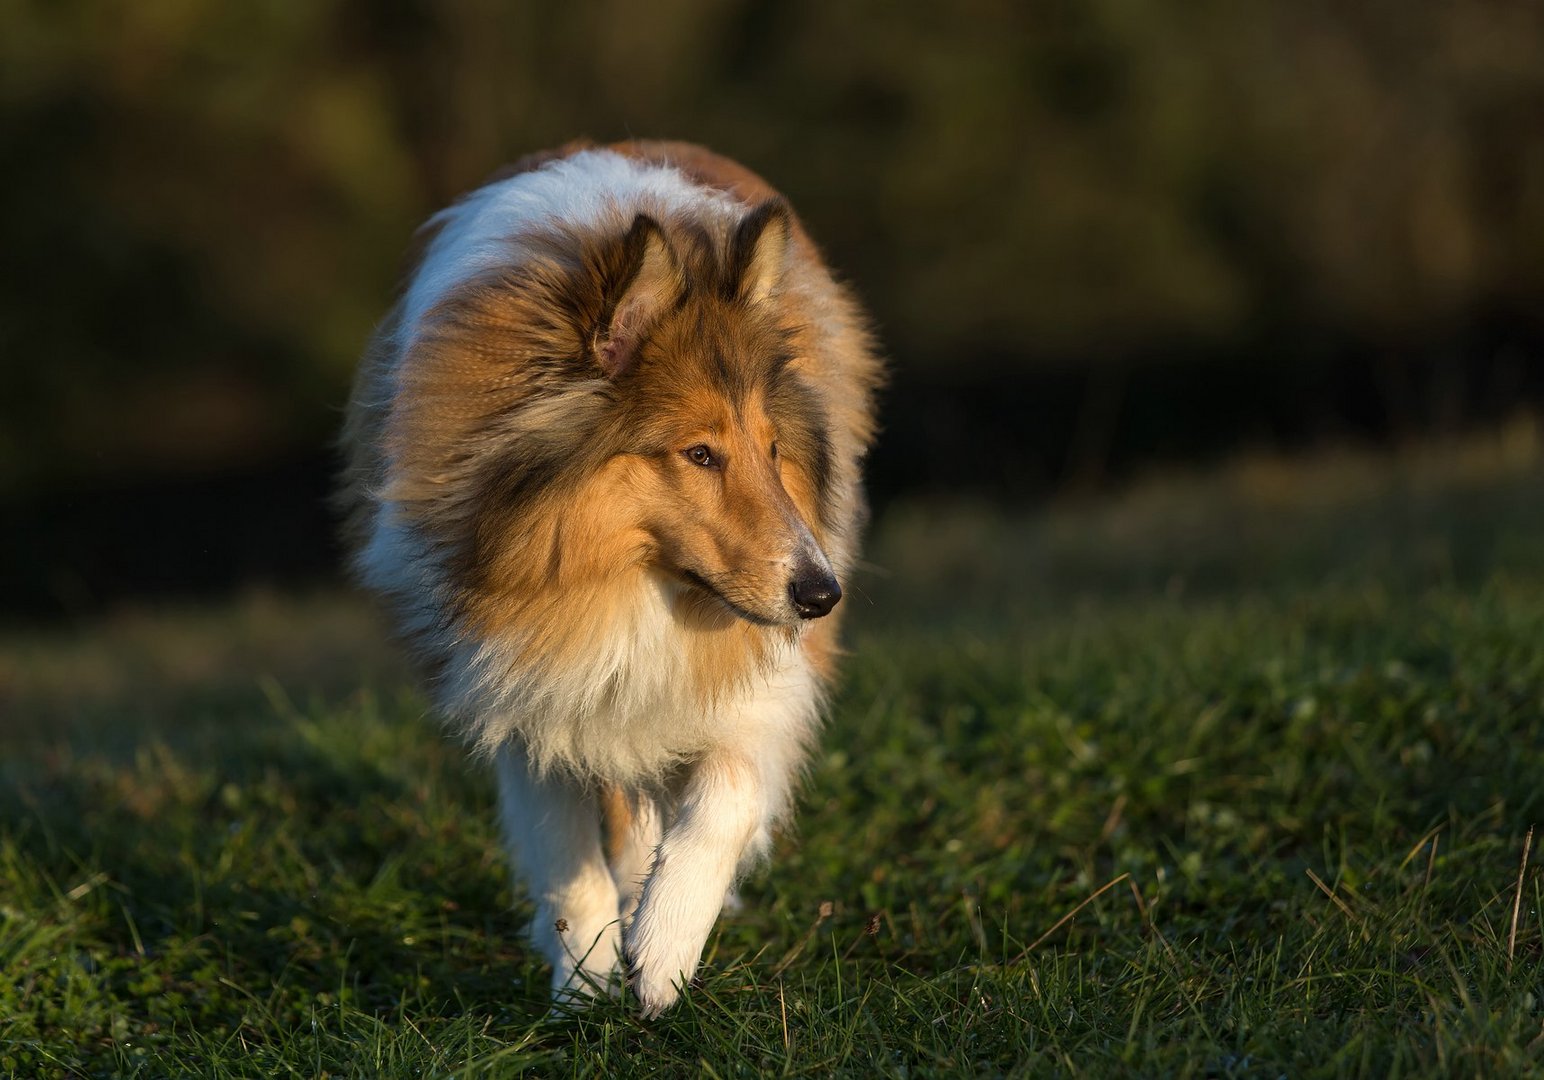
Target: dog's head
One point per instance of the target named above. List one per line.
(621, 396)
(729, 458)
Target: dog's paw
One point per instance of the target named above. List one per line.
(576, 987)
(569, 1001)
(657, 971)
(585, 966)
(653, 995)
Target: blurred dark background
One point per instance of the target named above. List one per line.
(1097, 236)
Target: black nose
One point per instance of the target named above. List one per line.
(814, 594)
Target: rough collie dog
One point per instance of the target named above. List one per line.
(603, 464)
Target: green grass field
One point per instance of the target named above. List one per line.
(1227, 775)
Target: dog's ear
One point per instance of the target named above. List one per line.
(650, 284)
(760, 251)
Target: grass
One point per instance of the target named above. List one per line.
(1230, 775)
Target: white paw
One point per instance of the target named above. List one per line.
(659, 964)
(585, 963)
(654, 993)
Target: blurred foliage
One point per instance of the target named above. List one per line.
(205, 203)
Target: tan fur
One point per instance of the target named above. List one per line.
(617, 818)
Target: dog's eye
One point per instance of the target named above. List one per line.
(774, 451)
(701, 455)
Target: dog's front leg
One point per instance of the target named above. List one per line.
(552, 826)
(722, 807)
(633, 827)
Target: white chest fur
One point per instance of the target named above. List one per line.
(627, 707)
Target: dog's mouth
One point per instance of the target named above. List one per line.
(691, 577)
